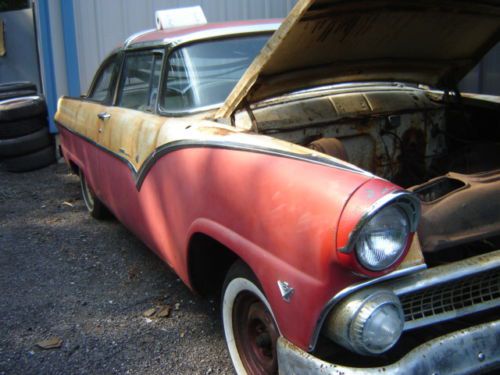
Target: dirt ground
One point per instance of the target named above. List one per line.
(65, 276)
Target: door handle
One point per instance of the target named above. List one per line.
(104, 116)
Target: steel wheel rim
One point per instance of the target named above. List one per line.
(255, 334)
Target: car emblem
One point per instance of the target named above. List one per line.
(286, 290)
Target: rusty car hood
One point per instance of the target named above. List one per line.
(333, 41)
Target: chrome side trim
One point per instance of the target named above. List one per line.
(467, 351)
(409, 202)
(140, 174)
(354, 288)
(194, 143)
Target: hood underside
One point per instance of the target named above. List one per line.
(333, 41)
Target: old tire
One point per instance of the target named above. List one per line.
(16, 94)
(94, 206)
(29, 162)
(26, 144)
(18, 128)
(249, 326)
(17, 89)
(23, 107)
(17, 86)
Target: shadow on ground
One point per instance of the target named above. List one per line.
(87, 282)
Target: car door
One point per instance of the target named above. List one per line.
(129, 133)
(90, 116)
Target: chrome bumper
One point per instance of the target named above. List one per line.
(466, 351)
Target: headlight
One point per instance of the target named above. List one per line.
(367, 324)
(378, 325)
(383, 238)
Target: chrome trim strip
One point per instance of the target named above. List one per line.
(445, 274)
(354, 288)
(188, 112)
(106, 150)
(430, 278)
(409, 202)
(467, 351)
(193, 143)
(140, 175)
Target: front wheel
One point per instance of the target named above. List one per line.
(94, 206)
(249, 326)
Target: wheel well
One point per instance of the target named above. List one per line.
(74, 168)
(209, 261)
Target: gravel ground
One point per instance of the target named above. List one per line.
(87, 282)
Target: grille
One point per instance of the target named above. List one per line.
(459, 297)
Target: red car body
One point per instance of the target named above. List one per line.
(289, 213)
(175, 201)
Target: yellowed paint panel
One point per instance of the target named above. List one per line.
(414, 256)
(135, 135)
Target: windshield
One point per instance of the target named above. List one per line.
(203, 74)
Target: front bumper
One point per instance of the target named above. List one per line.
(467, 351)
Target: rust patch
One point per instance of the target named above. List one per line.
(214, 130)
(458, 209)
(330, 146)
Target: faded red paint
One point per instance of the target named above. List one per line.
(180, 32)
(260, 206)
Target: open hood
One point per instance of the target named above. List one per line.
(332, 41)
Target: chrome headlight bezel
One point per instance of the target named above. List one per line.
(347, 322)
(406, 203)
(366, 312)
(391, 224)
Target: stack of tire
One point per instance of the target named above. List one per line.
(25, 141)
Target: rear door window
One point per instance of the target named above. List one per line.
(104, 84)
(140, 80)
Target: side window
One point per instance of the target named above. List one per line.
(104, 84)
(140, 80)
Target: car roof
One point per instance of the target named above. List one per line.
(180, 35)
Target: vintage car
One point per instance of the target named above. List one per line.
(324, 174)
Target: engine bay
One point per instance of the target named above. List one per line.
(444, 148)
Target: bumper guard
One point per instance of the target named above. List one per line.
(466, 351)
